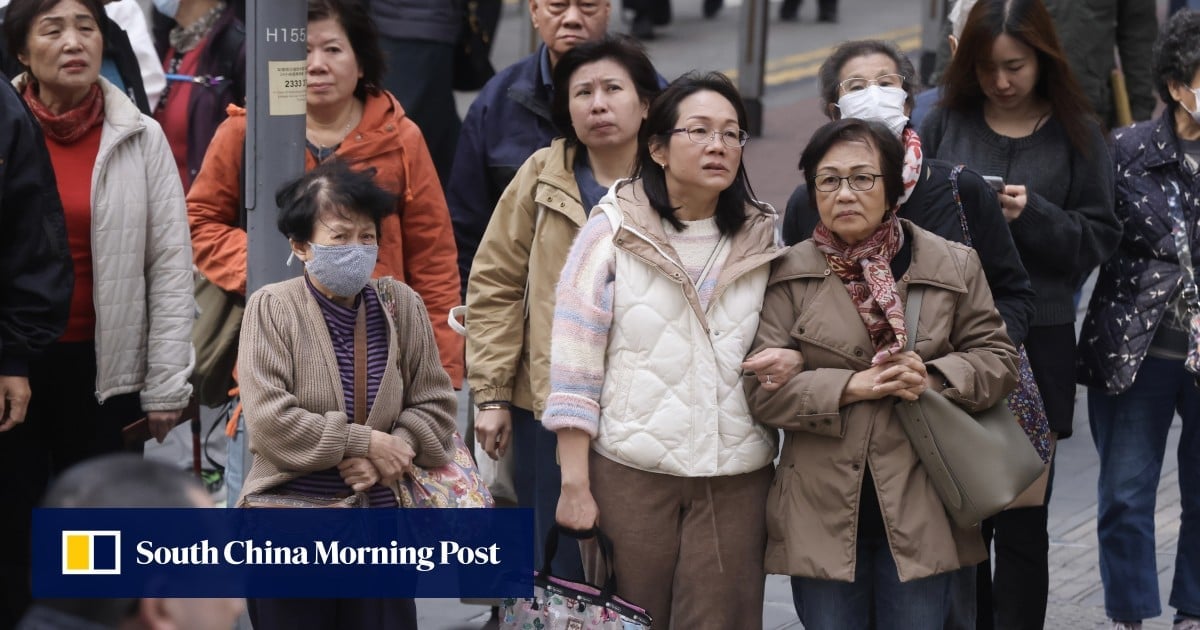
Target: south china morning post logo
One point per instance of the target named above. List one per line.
(86, 552)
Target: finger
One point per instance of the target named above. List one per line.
(502, 441)
(8, 424)
(16, 409)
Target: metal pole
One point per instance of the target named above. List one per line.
(752, 59)
(276, 73)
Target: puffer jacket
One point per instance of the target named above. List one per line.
(510, 296)
(141, 260)
(416, 244)
(672, 401)
(1137, 284)
(814, 502)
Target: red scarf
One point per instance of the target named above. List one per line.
(73, 124)
(913, 157)
(865, 268)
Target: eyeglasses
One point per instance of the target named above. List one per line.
(854, 84)
(861, 182)
(586, 7)
(732, 138)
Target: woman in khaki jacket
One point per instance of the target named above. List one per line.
(602, 92)
(851, 514)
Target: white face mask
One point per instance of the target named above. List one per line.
(884, 104)
(1196, 113)
(167, 7)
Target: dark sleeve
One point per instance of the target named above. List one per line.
(1137, 27)
(1001, 263)
(36, 277)
(469, 194)
(1079, 236)
(799, 219)
(117, 47)
(932, 129)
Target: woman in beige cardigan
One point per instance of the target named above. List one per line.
(298, 339)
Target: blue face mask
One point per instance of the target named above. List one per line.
(167, 7)
(342, 269)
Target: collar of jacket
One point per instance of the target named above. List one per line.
(120, 113)
(642, 235)
(526, 89)
(557, 189)
(932, 263)
(1162, 147)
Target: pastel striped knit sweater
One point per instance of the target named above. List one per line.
(584, 309)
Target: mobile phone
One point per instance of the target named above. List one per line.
(995, 181)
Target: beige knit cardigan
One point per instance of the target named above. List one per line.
(292, 395)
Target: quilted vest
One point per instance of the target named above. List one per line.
(672, 400)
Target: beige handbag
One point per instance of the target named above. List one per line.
(978, 463)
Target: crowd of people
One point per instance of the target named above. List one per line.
(661, 353)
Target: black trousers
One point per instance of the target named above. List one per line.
(332, 614)
(64, 426)
(1015, 596)
(420, 74)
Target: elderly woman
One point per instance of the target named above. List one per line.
(383, 412)
(852, 514)
(349, 116)
(1137, 349)
(126, 351)
(602, 92)
(656, 309)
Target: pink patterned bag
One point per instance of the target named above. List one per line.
(455, 485)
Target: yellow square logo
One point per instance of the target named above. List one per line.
(91, 553)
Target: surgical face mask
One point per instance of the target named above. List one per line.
(884, 104)
(167, 7)
(342, 269)
(1195, 113)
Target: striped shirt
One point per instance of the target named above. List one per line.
(340, 322)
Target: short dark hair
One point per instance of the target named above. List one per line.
(20, 14)
(332, 185)
(1028, 22)
(1177, 53)
(661, 119)
(870, 132)
(620, 48)
(831, 68)
(363, 36)
(119, 480)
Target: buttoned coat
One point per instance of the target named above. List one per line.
(813, 504)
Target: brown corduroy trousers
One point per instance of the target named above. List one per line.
(687, 549)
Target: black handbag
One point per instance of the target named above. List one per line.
(979, 462)
(472, 53)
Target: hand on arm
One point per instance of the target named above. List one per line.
(358, 473)
(390, 455)
(774, 367)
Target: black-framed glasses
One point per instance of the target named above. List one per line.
(854, 84)
(732, 138)
(861, 182)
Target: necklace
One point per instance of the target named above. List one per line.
(340, 137)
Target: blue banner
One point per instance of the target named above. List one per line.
(282, 553)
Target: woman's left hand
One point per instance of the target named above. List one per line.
(774, 367)
(161, 422)
(358, 473)
(1012, 201)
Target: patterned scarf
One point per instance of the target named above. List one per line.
(73, 124)
(865, 268)
(912, 162)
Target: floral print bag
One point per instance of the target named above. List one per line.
(1190, 298)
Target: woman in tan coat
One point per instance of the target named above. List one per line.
(851, 514)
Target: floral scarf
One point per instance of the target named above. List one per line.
(865, 268)
(73, 124)
(913, 157)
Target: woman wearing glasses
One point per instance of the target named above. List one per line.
(656, 308)
(852, 515)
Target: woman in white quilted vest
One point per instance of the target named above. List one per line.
(127, 348)
(656, 309)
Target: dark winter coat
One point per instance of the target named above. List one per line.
(1141, 279)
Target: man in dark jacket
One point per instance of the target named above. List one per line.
(36, 280)
(117, 49)
(510, 119)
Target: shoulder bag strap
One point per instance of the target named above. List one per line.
(912, 313)
(1179, 229)
(962, 215)
(360, 363)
